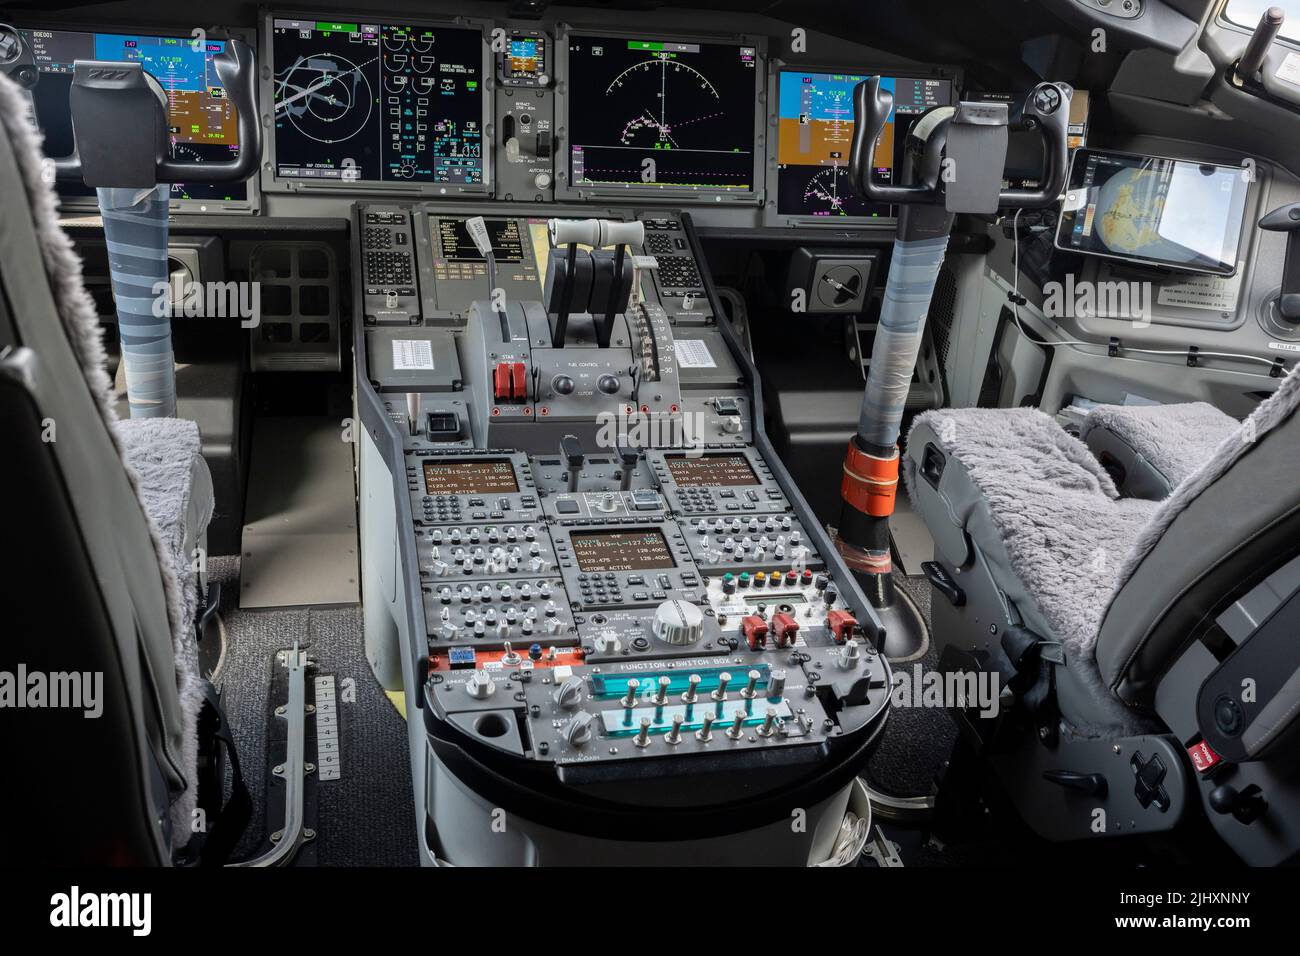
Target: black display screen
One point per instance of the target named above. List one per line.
(457, 246)
(815, 135)
(729, 470)
(203, 123)
(375, 102)
(469, 478)
(656, 114)
(622, 550)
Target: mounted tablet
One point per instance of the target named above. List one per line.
(1161, 212)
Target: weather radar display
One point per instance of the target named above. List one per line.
(661, 114)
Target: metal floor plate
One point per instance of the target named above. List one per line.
(300, 532)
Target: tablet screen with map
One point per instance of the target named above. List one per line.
(1165, 212)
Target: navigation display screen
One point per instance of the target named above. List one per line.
(469, 478)
(815, 135)
(621, 550)
(376, 102)
(1164, 212)
(659, 114)
(457, 246)
(711, 470)
(203, 121)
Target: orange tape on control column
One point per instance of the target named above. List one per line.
(870, 483)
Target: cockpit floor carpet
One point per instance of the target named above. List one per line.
(918, 738)
(366, 817)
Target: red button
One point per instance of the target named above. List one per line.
(1203, 758)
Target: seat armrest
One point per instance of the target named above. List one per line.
(1149, 449)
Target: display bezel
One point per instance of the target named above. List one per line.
(606, 532)
(427, 463)
(777, 66)
(251, 203)
(272, 182)
(646, 193)
(1065, 222)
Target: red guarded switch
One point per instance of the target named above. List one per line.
(510, 383)
(755, 630)
(501, 382)
(786, 629)
(518, 382)
(842, 624)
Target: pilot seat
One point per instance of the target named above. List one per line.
(1104, 612)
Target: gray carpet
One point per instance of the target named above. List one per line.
(917, 740)
(367, 817)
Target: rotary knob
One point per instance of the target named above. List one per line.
(562, 385)
(480, 685)
(569, 694)
(608, 384)
(678, 622)
(579, 729)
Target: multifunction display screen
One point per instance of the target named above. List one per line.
(622, 550)
(469, 478)
(377, 102)
(815, 135)
(711, 470)
(454, 240)
(653, 114)
(203, 124)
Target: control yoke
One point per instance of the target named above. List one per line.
(117, 147)
(1047, 109)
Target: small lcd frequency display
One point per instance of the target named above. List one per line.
(469, 478)
(622, 550)
(651, 114)
(729, 470)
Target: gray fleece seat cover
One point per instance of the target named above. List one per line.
(1062, 546)
(1157, 445)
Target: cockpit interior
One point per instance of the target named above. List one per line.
(646, 433)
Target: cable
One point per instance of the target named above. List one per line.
(1016, 298)
(851, 840)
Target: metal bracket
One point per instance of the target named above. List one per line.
(293, 835)
(882, 850)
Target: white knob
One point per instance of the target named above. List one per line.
(678, 622)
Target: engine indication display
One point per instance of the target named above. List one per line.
(654, 114)
(815, 134)
(377, 102)
(469, 478)
(729, 470)
(457, 246)
(202, 121)
(622, 550)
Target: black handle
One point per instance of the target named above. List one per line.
(237, 70)
(1287, 219)
(1093, 784)
(1047, 109)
